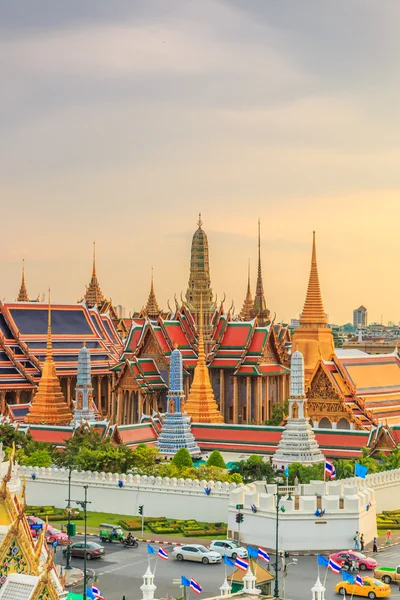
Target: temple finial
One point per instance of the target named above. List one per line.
(94, 295)
(200, 221)
(260, 309)
(49, 344)
(94, 260)
(248, 278)
(248, 304)
(313, 311)
(23, 293)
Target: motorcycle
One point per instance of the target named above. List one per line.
(350, 568)
(130, 542)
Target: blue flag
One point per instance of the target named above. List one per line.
(360, 470)
(253, 552)
(287, 471)
(324, 562)
(228, 562)
(89, 593)
(347, 577)
(150, 549)
(185, 581)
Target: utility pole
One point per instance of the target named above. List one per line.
(68, 553)
(83, 504)
(141, 512)
(278, 499)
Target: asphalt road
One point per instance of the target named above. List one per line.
(120, 573)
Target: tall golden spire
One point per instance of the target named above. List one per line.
(313, 338)
(201, 404)
(23, 292)
(152, 309)
(94, 296)
(49, 406)
(313, 311)
(260, 309)
(248, 304)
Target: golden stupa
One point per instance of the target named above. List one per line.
(49, 406)
(314, 337)
(201, 404)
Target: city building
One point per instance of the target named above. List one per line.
(360, 317)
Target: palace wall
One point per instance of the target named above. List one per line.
(345, 509)
(161, 497)
(386, 486)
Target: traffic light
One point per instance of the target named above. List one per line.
(141, 509)
(239, 518)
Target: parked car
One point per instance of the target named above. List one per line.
(229, 548)
(54, 534)
(362, 562)
(93, 550)
(196, 552)
(371, 588)
(388, 574)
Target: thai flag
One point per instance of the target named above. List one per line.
(195, 586)
(264, 555)
(96, 593)
(162, 554)
(359, 580)
(333, 566)
(330, 469)
(241, 564)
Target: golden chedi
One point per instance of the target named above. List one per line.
(49, 406)
(201, 404)
(313, 338)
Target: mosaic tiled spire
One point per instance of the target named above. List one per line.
(260, 309)
(23, 292)
(94, 296)
(49, 406)
(152, 309)
(248, 305)
(84, 390)
(201, 404)
(313, 311)
(176, 432)
(298, 443)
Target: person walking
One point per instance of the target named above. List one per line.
(357, 541)
(388, 535)
(362, 542)
(374, 546)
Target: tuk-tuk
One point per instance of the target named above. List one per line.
(110, 533)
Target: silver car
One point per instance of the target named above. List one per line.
(229, 548)
(197, 553)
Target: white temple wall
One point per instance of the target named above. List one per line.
(386, 486)
(171, 498)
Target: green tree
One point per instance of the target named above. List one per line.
(278, 411)
(305, 474)
(215, 460)
(10, 435)
(38, 458)
(392, 460)
(182, 458)
(145, 459)
(344, 468)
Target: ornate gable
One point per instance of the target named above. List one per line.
(321, 387)
(128, 379)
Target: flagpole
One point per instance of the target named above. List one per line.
(155, 566)
(326, 574)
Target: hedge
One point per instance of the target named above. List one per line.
(130, 525)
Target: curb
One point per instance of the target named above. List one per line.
(161, 542)
(69, 585)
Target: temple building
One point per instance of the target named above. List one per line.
(201, 404)
(176, 432)
(27, 568)
(49, 405)
(298, 443)
(314, 337)
(84, 408)
(199, 285)
(23, 292)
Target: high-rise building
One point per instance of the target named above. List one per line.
(360, 317)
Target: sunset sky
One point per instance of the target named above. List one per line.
(122, 120)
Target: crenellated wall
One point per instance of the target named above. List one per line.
(386, 486)
(162, 497)
(348, 509)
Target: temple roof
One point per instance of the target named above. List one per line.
(152, 310)
(313, 312)
(248, 305)
(94, 296)
(260, 306)
(23, 292)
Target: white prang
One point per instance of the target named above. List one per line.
(298, 443)
(148, 588)
(225, 588)
(318, 591)
(249, 581)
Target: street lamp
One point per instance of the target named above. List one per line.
(282, 508)
(68, 553)
(83, 504)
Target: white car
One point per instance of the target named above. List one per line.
(196, 552)
(229, 548)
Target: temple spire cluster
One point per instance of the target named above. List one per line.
(49, 405)
(23, 292)
(152, 309)
(247, 309)
(94, 296)
(257, 308)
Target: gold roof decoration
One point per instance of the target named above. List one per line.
(201, 404)
(313, 311)
(152, 309)
(94, 296)
(23, 292)
(49, 405)
(260, 309)
(247, 309)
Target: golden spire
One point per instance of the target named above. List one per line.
(94, 296)
(313, 312)
(201, 404)
(200, 221)
(152, 309)
(248, 304)
(23, 292)
(260, 309)
(49, 405)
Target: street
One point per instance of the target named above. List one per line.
(120, 573)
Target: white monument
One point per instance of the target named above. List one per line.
(148, 588)
(298, 443)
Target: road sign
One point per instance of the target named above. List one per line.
(55, 543)
(36, 526)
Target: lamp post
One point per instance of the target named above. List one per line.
(278, 499)
(83, 504)
(68, 553)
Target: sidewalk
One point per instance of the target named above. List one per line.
(74, 576)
